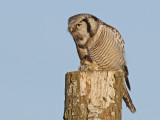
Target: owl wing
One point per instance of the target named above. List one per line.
(117, 36)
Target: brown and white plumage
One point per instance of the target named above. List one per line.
(100, 44)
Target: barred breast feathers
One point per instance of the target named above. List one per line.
(104, 48)
(112, 31)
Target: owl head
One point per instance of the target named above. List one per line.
(83, 27)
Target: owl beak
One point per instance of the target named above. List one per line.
(71, 29)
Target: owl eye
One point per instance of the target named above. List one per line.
(78, 25)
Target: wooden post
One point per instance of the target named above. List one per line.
(95, 95)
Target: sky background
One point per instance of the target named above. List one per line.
(36, 51)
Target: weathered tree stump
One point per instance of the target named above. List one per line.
(93, 95)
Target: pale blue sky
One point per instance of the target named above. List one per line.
(36, 51)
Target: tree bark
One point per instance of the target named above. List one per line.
(93, 95)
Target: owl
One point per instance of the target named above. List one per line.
(100, 47)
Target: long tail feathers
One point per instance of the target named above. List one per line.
(126, 73)
(127, 99)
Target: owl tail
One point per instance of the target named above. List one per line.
(126, 73)
(127, 99)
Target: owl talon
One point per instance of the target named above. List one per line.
(86, 65)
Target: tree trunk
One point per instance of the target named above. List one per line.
(93, 95)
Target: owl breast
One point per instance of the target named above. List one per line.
(105, 51)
